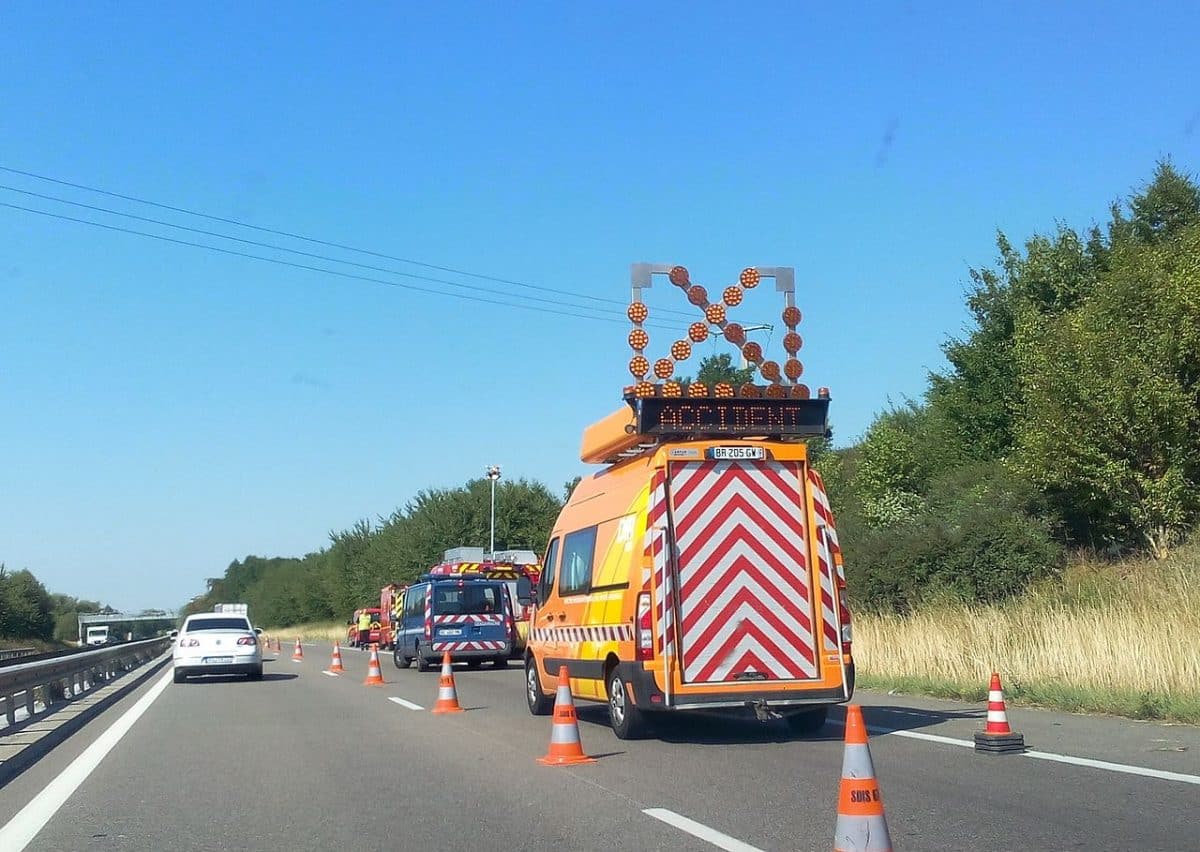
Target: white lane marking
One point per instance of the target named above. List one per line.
(327, 672)
(700, 830)
(32, 818)
(1107, 766)
(1115, 767)
(404, 703)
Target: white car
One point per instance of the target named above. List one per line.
(217, 643)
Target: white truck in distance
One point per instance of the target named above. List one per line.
(97, 635)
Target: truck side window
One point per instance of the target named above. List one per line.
(546, 582)
(575, 575)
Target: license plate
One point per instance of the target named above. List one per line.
(454, 631)
(736, 453)
(218, 660)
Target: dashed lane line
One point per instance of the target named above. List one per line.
(404, 703)
(700, 830)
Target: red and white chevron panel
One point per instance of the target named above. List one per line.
(825, 517)
(454, 647)
(829, 629)
(744, 597)
(481, 618)
(655, 550)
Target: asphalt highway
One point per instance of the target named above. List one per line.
(303, 760)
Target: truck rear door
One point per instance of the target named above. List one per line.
(742, 583)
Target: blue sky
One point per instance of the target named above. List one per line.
(166, 409)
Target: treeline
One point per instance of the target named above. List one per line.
(358, 562)
(1069, 416)
(29, 612)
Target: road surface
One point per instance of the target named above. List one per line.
(303, 760)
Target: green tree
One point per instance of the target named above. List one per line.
(26, 611)
(1111, 425)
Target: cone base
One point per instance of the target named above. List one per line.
(374, 683)
(447, 710)
(336, 671)
(564, 759)
(999, 743)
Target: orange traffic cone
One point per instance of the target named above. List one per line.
(374, 675)
(298, 654)
(997, 737)
(565, 747)
(335, 665)
(861, 825)
(447, 698)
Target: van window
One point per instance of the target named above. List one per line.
(546, 582)
(467, 600)
(575, 575)
(414, 602)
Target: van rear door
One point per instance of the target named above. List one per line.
(471, 616)
(742, 582)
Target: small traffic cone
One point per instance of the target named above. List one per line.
(861, 825)
(997, 737)
(374, 674)
(298, 654)
(565, 747)
(447, 698)
(335, 665)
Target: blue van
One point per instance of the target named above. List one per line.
(471, 617)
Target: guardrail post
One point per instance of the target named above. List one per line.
(10, 709)
(29, 701)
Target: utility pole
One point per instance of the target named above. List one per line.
(493, 473)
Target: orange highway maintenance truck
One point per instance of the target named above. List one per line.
(699, 569)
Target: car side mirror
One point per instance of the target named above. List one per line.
(174, 634)
(258, 631)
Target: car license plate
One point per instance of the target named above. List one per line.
(736, 453)
(218, 660)
(451, 631)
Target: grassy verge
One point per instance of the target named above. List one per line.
(320, 631)
(1121, 639)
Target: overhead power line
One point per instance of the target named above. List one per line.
(304, 266)
(327, 243)
(313, 255)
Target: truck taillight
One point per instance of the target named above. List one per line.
(645, 634)
(844, 617)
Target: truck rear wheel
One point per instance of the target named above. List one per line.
(628, 722)
(423, 665)
(399, 660)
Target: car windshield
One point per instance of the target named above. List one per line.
(468, 600)
(217, 624)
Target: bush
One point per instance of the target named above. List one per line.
(978, 540)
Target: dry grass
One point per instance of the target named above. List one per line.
(1121, 639)
(321, 631)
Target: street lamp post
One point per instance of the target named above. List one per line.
(493, 473)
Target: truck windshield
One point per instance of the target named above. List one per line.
(468, 600)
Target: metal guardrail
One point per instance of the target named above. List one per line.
(12, 653)
(65, 676)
